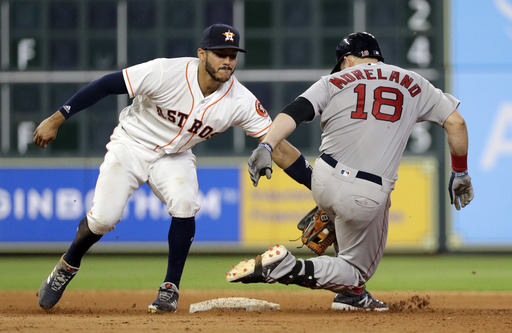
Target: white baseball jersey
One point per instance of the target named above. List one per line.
(170, 113)
(368, 111)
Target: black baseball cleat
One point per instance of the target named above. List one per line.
(167, 299)
(259, 269)
(53, 287)
(350, 301)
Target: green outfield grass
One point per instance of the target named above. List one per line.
(414, 273)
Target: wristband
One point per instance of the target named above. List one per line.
(267, 146)
(460, 174)
(459, 163)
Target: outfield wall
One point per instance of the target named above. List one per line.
(40, 209)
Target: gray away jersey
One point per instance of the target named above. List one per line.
(367, 113)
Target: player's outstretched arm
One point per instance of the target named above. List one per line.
(280, 129)
(46, 132)
(457, 134)
(286, 122)
(285, 154)
(260, 161)
(273, 145)
(109, 84)
(460, 187)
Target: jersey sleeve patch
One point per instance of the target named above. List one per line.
(260, 109)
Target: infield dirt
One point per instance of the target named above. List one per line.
(301, 311)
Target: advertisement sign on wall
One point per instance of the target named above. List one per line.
(45, 205)
(271, 211)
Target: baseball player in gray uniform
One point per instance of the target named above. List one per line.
(177, 103)
(367, 110)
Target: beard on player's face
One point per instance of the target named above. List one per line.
(212, 71)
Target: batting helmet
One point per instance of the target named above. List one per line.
(360, 44)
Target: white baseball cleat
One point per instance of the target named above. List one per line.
(258, 269)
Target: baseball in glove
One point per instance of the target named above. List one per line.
(317, 230)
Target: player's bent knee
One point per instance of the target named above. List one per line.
(100, 226)
(183, 209)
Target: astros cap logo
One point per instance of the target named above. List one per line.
(220, 36)
(229, 36)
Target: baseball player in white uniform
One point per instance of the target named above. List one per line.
(367, 110)
(177, 103)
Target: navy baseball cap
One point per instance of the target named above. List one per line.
(220, 36)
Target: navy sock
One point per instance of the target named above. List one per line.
(300, 171)
(181, 235)
(84, 239)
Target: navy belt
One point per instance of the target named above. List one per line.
(360, 174)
